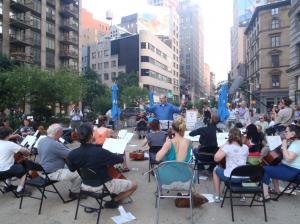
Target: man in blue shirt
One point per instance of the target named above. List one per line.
(164, 110)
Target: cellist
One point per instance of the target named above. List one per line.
(94, 157)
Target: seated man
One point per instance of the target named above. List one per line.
(52, 155)
(208, 140)
(96, 158)
(7, 161)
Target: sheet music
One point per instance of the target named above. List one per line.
(128, 136)
(273, 141)
(222, 138)
(122, 133)
(191, 138)
(115, 145)
(28, 141)
(165, 124)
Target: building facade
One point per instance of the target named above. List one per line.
(206, 80)
(91, 29)
(172, 40)
(294, 69)
(191, 51)
(267, 54)
(41, 32)
(212, 85)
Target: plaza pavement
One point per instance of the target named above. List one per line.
(287, 210)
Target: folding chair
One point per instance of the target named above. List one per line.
(39, 182)
(174, 176)
(291, 186)
(152, 162)
(249, 182)
(89, 174)
(204, 158)
(3, 178)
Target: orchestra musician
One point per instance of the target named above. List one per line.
(235, 153)
(26, 129)
(102, 133)
(96, 158)
(52, 155)
(7, 161)
(290, 165)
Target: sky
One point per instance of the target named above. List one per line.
(217, 16)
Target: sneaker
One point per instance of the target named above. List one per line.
(111, 204)
(74, 196)
(217, 199)
(23, 193)
(9, 188)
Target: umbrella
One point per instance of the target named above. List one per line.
(151, 98)
(222, 103)
(115, 112)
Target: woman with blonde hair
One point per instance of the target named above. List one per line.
(176, 146)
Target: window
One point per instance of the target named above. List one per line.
(113, 64)
(274, 11)
(275, 41)
(50, 43)
(50, 12)
(144, 72)
(106, 76)
(298, 52)
(275, 61)
(151, 47)
(0, 26)
(36, 38)
(50, 28)
(275, 81)
(36, 22)
(144, 59)
(37, 6)
(275, 23)
(1, 7)
(106, 53)
(143, 45)
(113, 75)
(50, 58)
(106, 64)
(93, 55)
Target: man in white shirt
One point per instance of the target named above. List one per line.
(7, 161)
(76, 116)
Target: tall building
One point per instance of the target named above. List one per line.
(206, 80)
(212, 85)
(162, 22)
(267, 54)
(172, 40)
(294, 69)
(91, 29)
(41, 32)
(191, 51)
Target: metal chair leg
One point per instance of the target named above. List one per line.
(191, 207)
(224, 197)
(42, 199)
(231, 205)
(157, 211)
(78, 202)
(264, 204)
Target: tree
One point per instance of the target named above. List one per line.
(125, 80)
(133, 96)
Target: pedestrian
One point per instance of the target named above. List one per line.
(76, 116)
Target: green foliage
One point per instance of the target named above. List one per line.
(96, 96)
(189, 105)
(133, 95)
(125, 80)
(41, 89)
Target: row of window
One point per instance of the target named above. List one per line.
(155, 75)
(104, 53)
(149, 46)
(105, 65)
(154, 62)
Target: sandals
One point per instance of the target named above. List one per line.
(261, 199)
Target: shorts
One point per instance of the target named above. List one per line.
(115, 186)
(220, 173)
(16, 170)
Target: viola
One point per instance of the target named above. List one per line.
(273, 157)
(137, 155)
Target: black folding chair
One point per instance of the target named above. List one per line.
(41, 183)
(205, 157)
(152, 162)
(291, 187)
(250, 184)
(3, 178)
(89, 174)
